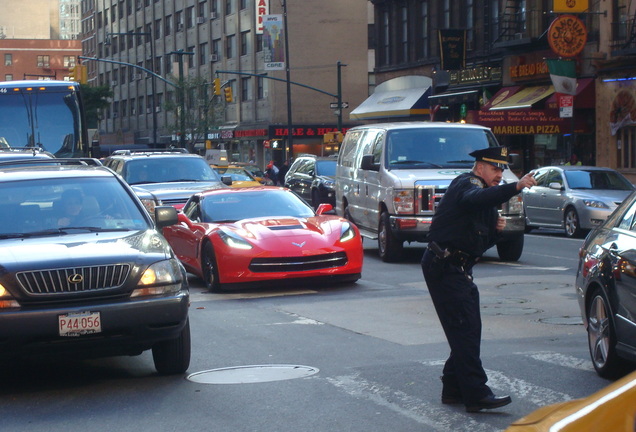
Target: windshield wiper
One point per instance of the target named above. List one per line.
(461, 161)
(416, 162)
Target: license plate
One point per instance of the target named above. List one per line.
(77, 324)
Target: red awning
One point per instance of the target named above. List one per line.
(584, 98)
(502, 94)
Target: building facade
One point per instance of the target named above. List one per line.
(486, 61)
(224, 39)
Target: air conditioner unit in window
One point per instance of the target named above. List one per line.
(135, 77)
(518, 35)
(179, 27)
(158, 109)
(214, 57)
(113, 83)
(115, 115)
(213, 15)
(200, 20)
(148, 110)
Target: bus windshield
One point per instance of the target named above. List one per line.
(45, 114)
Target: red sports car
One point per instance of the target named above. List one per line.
(263, 236)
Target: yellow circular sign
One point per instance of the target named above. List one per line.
(567, 36)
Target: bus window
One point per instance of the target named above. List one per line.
(46, 114)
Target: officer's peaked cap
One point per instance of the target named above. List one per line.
(497, 156)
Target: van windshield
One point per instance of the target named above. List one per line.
(435, 147)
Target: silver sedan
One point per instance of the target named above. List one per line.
(575, 198)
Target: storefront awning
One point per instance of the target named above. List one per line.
(455, 97)
(394, 103)
(584, 97)
(524, 98)
(498, 97)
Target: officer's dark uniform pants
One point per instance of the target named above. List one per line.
(456, 301)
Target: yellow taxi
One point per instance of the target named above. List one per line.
(240, 176)
(256, 172)
(610, 409)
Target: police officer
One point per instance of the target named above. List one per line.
(465, 225)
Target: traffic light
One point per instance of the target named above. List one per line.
(217, 86)
(72, 73)
(228, 94)
(83, 74)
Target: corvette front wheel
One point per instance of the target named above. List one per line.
(209, 269)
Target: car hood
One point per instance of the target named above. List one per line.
(177, 189)
(79, 250)
(278, 232)
(615, 196)
(438, 176)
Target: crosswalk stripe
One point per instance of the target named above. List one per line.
(561, 360)
(437, 417)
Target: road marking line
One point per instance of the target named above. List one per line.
(561, 360)
(522, 389)
(436, 417)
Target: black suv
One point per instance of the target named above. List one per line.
(312, 178)
(85, 270)
(164, 176)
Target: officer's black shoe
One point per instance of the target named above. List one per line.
(489, 402)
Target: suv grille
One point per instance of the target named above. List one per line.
(294, 264)
(58, 281)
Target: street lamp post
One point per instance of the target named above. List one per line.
(152, 78)
(290, 142)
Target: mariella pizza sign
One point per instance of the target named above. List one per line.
(567, 36)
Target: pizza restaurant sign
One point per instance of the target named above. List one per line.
(525, 122)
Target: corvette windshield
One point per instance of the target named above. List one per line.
(237, 206)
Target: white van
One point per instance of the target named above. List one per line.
(390, 178)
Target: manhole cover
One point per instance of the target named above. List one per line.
(252, 374)
(565, 320)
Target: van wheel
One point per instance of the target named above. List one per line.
(390, 249)
(512, 249)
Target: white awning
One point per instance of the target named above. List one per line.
(394, 103)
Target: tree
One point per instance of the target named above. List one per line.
(202, 109)
(94, 99)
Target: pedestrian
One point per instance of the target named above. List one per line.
(465, 225)
(271, 171)
(282, 172)
(574, 160)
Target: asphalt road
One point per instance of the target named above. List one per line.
(362, 357)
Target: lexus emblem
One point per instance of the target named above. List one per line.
(75, 278)
(299, 244)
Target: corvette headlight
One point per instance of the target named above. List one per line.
(233, 240)
(346, 232)
(596, 204)
(166, 274)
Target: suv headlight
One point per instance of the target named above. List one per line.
(160, 278)
(6, 299)
(403, 201)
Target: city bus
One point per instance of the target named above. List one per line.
(44, 114)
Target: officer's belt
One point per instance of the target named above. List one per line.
(452, 255)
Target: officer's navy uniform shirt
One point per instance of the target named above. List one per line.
(466, 218)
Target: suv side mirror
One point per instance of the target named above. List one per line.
(514, 161)
(226, 180)
(165, 216)
(367, 163)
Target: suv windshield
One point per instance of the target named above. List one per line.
(40, 207)
(168, 169)
(435, 147)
